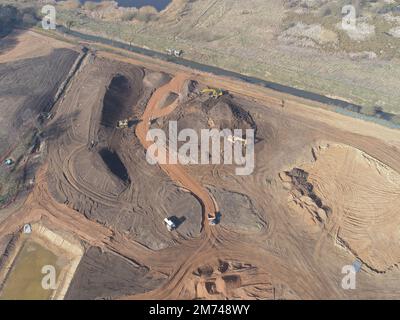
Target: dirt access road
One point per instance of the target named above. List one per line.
(176, 172)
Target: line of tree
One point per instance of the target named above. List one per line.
(11, 17)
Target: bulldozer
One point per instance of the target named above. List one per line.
(123, 124)
(214, 92)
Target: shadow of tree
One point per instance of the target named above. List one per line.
(9, 18)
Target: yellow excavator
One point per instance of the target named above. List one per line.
(213, 92)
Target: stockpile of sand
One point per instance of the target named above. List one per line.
(364, 195)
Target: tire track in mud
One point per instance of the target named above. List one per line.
(207, 247)
(176, 172)
(186, 254)
(78, 185)
(287, 258)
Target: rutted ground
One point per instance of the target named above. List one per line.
(29, 84)
(107, 275)
(97, 185)
(107, 177)
(362, 197)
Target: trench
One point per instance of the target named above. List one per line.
(115, 107)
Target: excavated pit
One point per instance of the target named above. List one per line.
(117, 101)
(168, 100)
(114, 163)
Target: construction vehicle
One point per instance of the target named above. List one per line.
(9, 162)
(171, 226)
(27, 229)
(126, 123)
(174, 52)
(214, 92)
(234, 139)
(45, 116)
(123, 124)
(214, 219)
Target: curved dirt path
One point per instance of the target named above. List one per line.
(176, 172)
(206, 243)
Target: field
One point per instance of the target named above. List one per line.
(323, 195)
(261, 38)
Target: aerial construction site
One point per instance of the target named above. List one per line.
(324, 192)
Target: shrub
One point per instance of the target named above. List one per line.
(90, 5)
(396, 119)
(9, 18)
(146, 14)
(128, 16)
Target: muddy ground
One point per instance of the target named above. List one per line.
(28, 88)
(323, 194)
(108, 179)
(106, 275)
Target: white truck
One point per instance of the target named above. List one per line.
(169, 224)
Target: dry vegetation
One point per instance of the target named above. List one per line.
(299, 43)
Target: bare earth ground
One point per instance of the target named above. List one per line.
(324, 193)
(32, 70)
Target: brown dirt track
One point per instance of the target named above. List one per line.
(281, 254)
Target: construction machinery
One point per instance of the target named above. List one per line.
(126, 123)
(43, 116)
(171, 226)
(234, 139)
(123, 124)
(9, 162)
(213, 92)
(214, 219)
(175, 52)
(27, 229)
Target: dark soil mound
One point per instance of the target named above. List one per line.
(105, 275)
(300, 182)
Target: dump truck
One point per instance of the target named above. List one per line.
(9, 162)
(171, 226)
